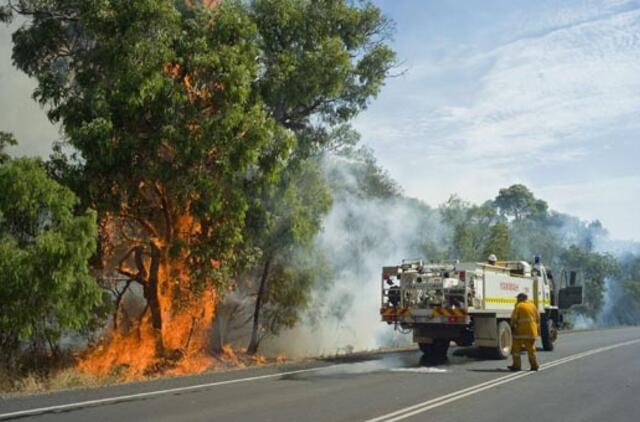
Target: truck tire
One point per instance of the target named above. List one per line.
(465, 340)
(505, 340)
(549, 333)
(425, 348)
(436, 351)
(442, 347)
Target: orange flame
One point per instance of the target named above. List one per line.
(187, 316)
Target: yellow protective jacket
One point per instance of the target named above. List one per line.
(525, 320)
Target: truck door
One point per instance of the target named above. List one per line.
(570, 290)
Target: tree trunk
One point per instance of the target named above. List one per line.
(255, 341)
(219, 331)
(151, 294)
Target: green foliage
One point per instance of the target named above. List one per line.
(287, 218)
(462, 247)
(45, 284)
(499, 242)
(176, 109)
(323, 58)
(322, 62)
(518, 202)
(290, 213)
(596, 268)
(291, 284)
(6, 140)
(473, 233)
(360, 176)
(631, 274)
(5, 14)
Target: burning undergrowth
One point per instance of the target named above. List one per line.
(129, 352)
(163, 317)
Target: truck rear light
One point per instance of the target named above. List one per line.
(453, 319)
(461, 275)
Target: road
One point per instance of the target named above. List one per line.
(592, 376)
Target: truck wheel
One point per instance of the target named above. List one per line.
(465, 340)
(549, 333)
(426, 348)
(505, 340)
(441, 349)
(436, 350)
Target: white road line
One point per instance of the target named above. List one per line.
(410, 411)
(437, 399)
(48, 409)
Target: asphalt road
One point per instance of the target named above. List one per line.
(592, 376)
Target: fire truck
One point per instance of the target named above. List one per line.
(469, 303)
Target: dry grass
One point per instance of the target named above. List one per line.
(64, 375)
(63, 379)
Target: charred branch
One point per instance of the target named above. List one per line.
(119, 296)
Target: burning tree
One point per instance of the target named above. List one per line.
(158, 101)
(179, 114)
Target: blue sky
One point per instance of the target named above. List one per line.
(545, 93)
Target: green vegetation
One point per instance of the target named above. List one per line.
(45, 286)
(282, 229)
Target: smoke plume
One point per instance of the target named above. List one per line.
(361, 234)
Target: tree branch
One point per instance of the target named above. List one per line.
(120, 294)
(165, 210)
(143, 222)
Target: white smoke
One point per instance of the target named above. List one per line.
(360, 236)
(580, 321)
(618, 308)
(364, 232)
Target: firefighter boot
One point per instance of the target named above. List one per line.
(517, 363)
(533, 361)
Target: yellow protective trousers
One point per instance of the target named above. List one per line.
(530, 346)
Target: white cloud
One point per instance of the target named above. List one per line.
(564, 87)
(549, 99)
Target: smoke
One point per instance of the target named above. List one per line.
(619, 308)
(372, 225)
(361, 234)
(580, 321)
(19, 114)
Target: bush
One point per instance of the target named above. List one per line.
(45, 285)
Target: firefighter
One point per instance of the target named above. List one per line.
(492, 259)
(525, 321)
(393, 293)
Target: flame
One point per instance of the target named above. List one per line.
(117, 354)
(132, 355)
(259, 359)
(187, 315)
